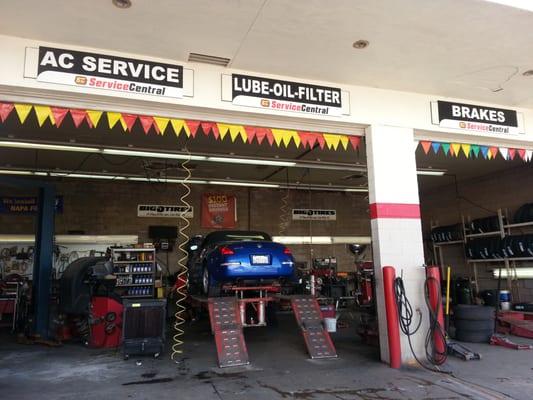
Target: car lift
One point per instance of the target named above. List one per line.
(228, 318)
(516, 323)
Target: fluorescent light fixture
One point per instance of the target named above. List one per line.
(45, 146)
(246, 184)
(15, 172)
(522, 4)
(351, 239)
(322, 239)
(357, 190)
(74, 239)
(521, 273)
(252, 161)
(135, 153)
(86, 176)
(430, 172)
(163, 180)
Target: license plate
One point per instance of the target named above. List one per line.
(260, 259)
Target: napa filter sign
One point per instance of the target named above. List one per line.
(165, 211)
(100, 71)
(308, 214)
(476, 118)
(278, 95)
(26, 205)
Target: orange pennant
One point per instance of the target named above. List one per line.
(59, 115)
(77, 116)
(426, 146)
(355, 140)
(5, 110)
(193, 126)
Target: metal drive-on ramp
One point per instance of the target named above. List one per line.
(227, 327)
(309, 317)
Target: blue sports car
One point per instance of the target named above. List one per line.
(236, 256)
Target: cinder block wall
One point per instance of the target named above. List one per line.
(105, 208)
(480, 197)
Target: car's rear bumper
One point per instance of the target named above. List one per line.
(233, 271)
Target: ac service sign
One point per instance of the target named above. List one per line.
(100, 71)
(476, 118)
(278, 95)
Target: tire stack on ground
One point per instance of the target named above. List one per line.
(474, 324)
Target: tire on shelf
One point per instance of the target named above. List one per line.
(474, 312)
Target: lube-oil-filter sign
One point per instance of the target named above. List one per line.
(476, 118)
(99, 71)
(279, 95)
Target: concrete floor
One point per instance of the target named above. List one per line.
(280, 369)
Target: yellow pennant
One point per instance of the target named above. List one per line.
(22, 111)
(466, 149)
(244, 135)
(279, 136)
(178, 125)
(223, 130)
(456, 148)
(94, 116)
(113, 118)
(344, 142)
(296, 138)
(161, 124)
(123, 123)
(332, 141)
(43, 113)
(234, 132)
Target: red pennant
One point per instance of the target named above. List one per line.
(493, 151)
(5, 110)
(261, 134)
(320, 140)
(193, 126)
(512, 153)
(250, 133)
(426, 146)
(129, 119)
(59, 115)
(147, 122)
(269, 136)
(355, 141)
(210, 126)
(522, 154)
(307, 139)
(77, 116)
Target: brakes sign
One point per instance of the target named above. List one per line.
(99, 71)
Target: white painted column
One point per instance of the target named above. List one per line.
(396, 226)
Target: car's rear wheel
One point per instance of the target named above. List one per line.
(210, 289)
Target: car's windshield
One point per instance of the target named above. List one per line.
(236, 236)
(240, 238)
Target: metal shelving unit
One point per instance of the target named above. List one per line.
(135, 269)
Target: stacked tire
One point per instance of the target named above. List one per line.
(474, 324)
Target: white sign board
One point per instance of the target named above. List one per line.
(165, 211)
(308, 214)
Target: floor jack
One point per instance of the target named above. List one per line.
(458, 350)
(500, 340)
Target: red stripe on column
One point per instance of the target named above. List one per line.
(394, 210)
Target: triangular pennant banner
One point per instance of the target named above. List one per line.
(23, 111)
(426, 146)
(504, 151)
(344, 142)
(129, 119)
(529, 153)
(512, 154)
(332, 141)
(355, 141)
(261, 134)
(192, 126)
(235, 132)
(161, 124)
(278, 136)
(147, 122)
(223, 130)
(42, 113)
(5, 110)
(493, 151)
(522, 154)
(475, 150)
(456, 147)
(484, 151)
(178, 125)
(435, 146)
(446, 148)
(59, 115)
(269, 136)
(93, 116)
(210, 127)
(77, 116)
(466, 149)
(250, 133)
(320, 140)
(112, 118)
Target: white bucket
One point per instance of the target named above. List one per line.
(505, 305)
(331, 324)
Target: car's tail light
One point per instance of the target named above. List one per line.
(226, 251)
(287, 251)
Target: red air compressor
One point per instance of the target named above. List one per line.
(105, 320)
